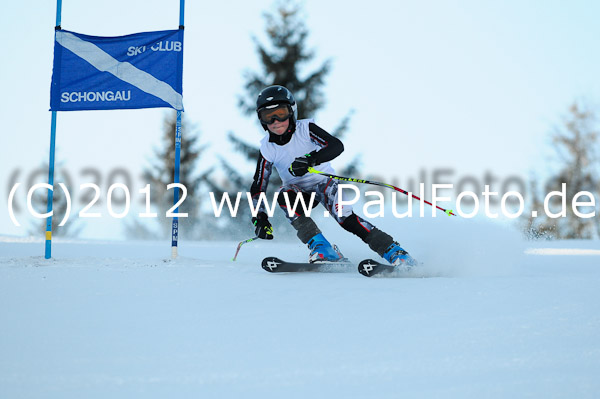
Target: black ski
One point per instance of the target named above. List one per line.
(276, 265)
(370, 267)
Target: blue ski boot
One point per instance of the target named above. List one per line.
(322, 251)
(397, 256)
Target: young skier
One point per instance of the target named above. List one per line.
(292, 146)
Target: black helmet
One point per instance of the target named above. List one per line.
(274, 95)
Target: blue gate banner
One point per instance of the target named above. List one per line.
(143, 70)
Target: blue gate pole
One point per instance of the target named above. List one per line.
(181, 13)
(48, 250)
(175, 227)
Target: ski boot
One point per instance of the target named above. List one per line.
(322, 251)
(397, 256)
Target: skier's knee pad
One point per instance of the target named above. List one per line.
(292, 196)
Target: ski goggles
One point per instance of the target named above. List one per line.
(280, 112)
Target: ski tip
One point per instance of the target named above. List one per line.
(368, 267)
(271, 264)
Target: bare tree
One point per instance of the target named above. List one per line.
(576, 166)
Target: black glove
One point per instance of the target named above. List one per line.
(301, 164)
(264, 229)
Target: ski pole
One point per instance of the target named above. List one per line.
(237, 251)
(376, 183)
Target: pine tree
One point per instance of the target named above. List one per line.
(160, 174)
(283, 61)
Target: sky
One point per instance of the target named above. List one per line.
(469, 87)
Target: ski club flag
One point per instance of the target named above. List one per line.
(142, 70)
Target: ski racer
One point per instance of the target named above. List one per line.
(292, 146)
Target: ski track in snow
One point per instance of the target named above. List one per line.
(488, 315)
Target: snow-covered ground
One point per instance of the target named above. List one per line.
(488, 316)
